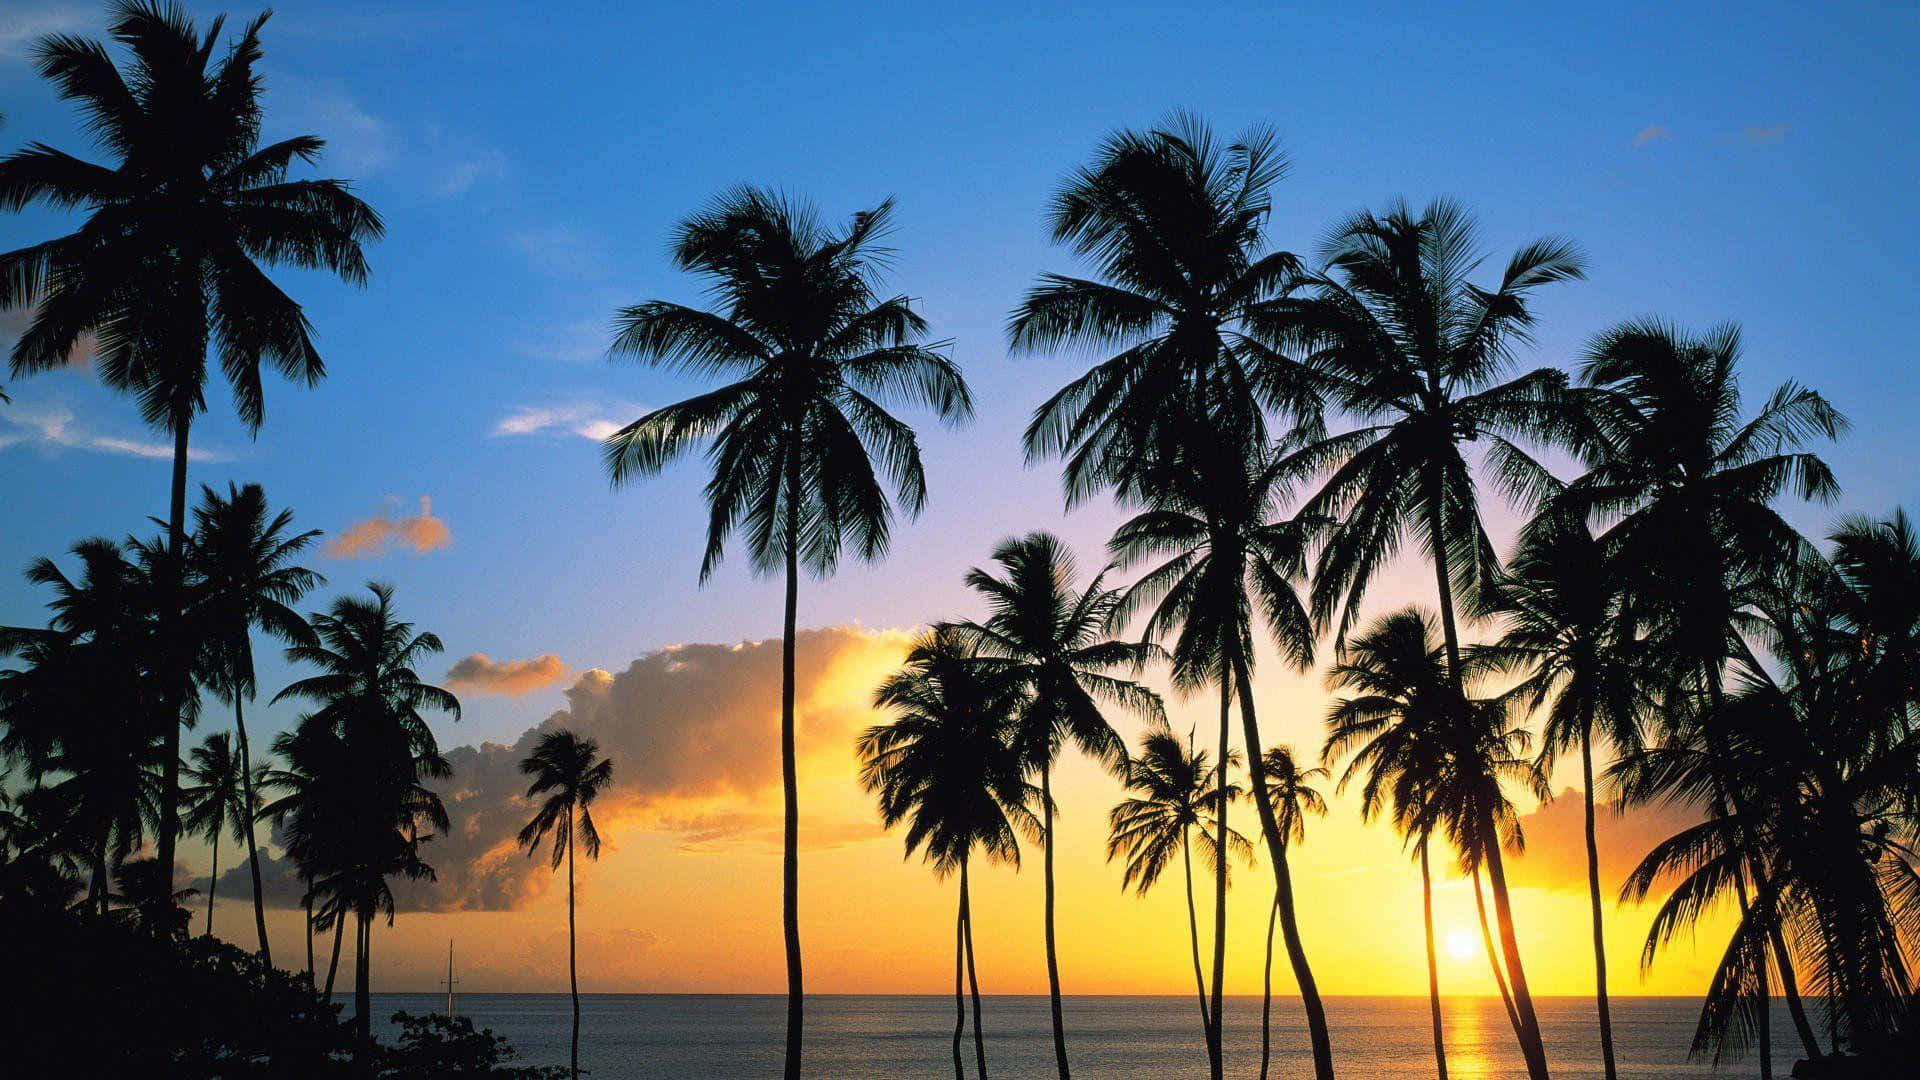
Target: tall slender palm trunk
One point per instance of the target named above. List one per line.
(973, 972)
(1053, 956)
(363, 983)
(213, 879)
(573, 970)
(1318, 1035)
(333, 965)
(1266, 992)
(959, 994)
(173, 691)
(790, 786)
(253, 852)
(1593, 895)
(1193, 937)
(1531, 1047)
(1493, 955)
(1216, 1049)
(1433, 965)
(306, 902)
(1763, 998)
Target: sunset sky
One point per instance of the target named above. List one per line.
(529, 162)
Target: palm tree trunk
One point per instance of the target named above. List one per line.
(253, 852)
(333, 965)
(790, 784)
(1763, 1003)
(172, 696)
(959, 994)
(973, 973)
(1193, 937)
(306, 901)
(1053, 956)
(1216, 1056)
(1433, 964)
(1318, 1035)
(1493, 956)
(363, 983)
(1266, 992)
(1531, 1047)
(573, 970)
(213, 879)
(1593, 895)
(1437, 536)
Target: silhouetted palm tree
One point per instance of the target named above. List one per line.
(213, 800)
(564, 770)
(243, 560)
(949, 767)
(816, 355)
(1686, 487)
(369, 698)
(1566, 631)
(312, 779)
(1050, 637)
(1294, 798)
(169, 259)
(1177, 796)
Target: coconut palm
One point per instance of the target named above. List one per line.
(213, 800)
(169, 260)
(1565, 631)
(1222, 560)
(1439, 760)
(816, 356)
(243, 558)
(1685, 490)
(369, 707)
(948, 766)
(1050, 637)
(312, 785)
(1174, 798)
(1294, 799)
(564, 770)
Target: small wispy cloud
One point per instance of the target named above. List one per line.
(1651, 133)
(24, 23)
(1765, 133)
(458, 176)
(482, 674)
(586, 419)
(14, 323)
(582, 341)
(560, 250)
(417, 533)
(358, 142)
(56, 427)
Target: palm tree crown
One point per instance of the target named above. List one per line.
(563, 769)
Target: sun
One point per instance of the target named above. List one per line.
(1461, 944)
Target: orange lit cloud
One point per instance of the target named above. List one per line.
(481, 674)
(1556, 856)
(1650, 133)
(418, 533)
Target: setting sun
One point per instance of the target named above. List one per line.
(1461, 944)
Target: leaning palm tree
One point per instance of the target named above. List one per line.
(243, 559)
(1173, 797)
(1050, 637)
(815, 354)
(1685, 488)
(1565, 631)
(213, 801)
(564, 770)
(1294, 798)
(948, 766)
(168, 262)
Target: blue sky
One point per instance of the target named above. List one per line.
(529, 161)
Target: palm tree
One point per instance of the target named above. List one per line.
(1050, 638)
(214, 801)
(816, 354)
(564, 770)
(313, 782)
(369, 703)
(1294, 798)
(1223, 560)
(243, 560)
(1685, 489)
(169, 259)
(1439, 760)
(1176, 798)
(1565, 630)
(948, 766)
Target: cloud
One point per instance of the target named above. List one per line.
(690, 731)
(280, 884)
(587, 420)
(579, 342)
(56, 427)
(1650, 133)
(418, 533)
(358, 143)
(560, 250)
(1556, 856)
(1767, 133)
(14, 322)
(23, 24)
(481, 674)
(459, 176)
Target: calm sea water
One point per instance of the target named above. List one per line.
(684, 1037)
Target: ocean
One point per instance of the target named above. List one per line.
(698, 1037)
